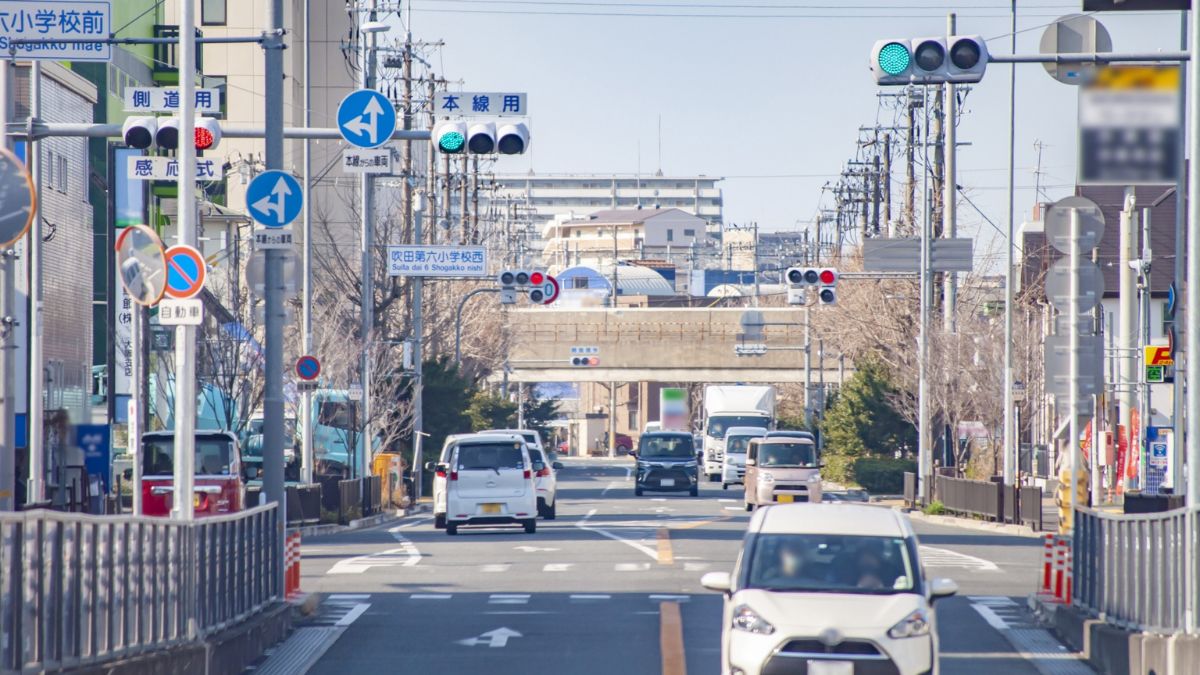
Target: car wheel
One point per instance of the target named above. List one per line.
(451, 529)
(439, 521)
(749, 506)
(695, 491)
(551, 513)
(530, 526)
(724, 486)
(637, 492)
(541, 507)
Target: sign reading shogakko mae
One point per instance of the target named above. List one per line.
(58, 27)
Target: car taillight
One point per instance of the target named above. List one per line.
(440, 473)
(202, 503)
(528, 474)
(542, 473)
(453, 475)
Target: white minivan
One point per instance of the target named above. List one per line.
(489, 481)
(737, 441)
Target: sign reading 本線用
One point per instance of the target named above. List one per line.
(167, 168)
(481, 103)
(57, 27)
(437, 261)
(166, 99)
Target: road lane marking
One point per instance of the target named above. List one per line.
(666, 556)
(584, 525)
(493, 638)
(611, 486)
(407, 556)
(631, 567)
(734, 508)
(430, 596)
(495, 567)
(508, 599)
(342, 597)
(695, 566)
(410, 523)
(558, 567)
(670, 598)
(584, 597)
(942, 557)
(353, 614)
(725, 500)
(993, 600)
(698, 523)
(670, 639)
(534, 549)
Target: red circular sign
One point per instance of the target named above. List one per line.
(308, 368)
(550, 288)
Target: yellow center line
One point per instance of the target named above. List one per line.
(665, 555)
(701, 523)
(670, 639)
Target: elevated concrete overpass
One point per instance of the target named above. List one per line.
(651, 344)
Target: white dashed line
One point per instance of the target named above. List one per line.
(352, 615)
(670, 598)
(495, 567)
(590, 596)
(631, 567)
(508, 599)
(430, 596)
(695, 566)
(342, 597)
(557, 567)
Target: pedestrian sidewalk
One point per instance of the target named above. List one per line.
(1049, 519)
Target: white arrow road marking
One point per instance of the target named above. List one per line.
(407, 557)
(942, 557)
(493, 638)
(557, 567)
(534, 549)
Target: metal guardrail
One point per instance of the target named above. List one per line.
(1131, 568)
(975, 497)
(77, 589)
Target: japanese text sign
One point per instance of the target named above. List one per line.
(437, 261)
(59, 24)
(481, 103)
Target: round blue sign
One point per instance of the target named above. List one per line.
(366, 118)
(274, 198)
(308, 367)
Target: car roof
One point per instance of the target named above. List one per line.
(790, 433)
(522, 432)
(745, 431)
(686, 434)
(488, 437)
(200, 433)
(767, 440)
(841, 518)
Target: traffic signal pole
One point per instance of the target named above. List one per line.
(306, 397)
(8, 345)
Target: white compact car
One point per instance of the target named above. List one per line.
(828, 590)
(533, 438)
(439, 479)
(545, 480)
(733, 466)
(489, 481)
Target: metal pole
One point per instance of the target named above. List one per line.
(520, 405)
(1144, 421)
(8, 401)
(924, 457)
(418, 411)
(367, 299)
(185, 336)
(1191, 443)
(1127, 320)
(807, 368)
(458, 322)
(1073, 339)
(306, 397)
(612, 419)
(135, 403)
(37, 373)
(821, 388)
(950, 193)
(274, 309)
(1010, 432)
(1180, 268)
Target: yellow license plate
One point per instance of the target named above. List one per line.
(785, 498)
(491, 508)
(196, 501)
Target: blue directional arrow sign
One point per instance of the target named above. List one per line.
(366, 118)
(274, 198)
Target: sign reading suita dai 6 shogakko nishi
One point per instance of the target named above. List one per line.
(437, 261)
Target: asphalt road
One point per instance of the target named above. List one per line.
(612, 586)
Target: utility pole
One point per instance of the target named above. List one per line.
(910, 165)
(887, 185)
(185, 336)
(8, 343)
(924, 455)
(1009, 446)
(950, 189)
(37, 373)
(306, 421)
(414, 210)
(876, 181)
(367, 214)
(808, 407)
(1127, 318)
(1192, 337)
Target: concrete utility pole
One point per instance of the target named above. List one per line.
(950, 194)
(367, 285)
(910, 164)
(37, 373)
(185, 336)
(1144, 403)
(1179, 274)
(138, 363)
(8, 343)
(808, 407)
(887, 185)
(306, 421)
(414, 209)
(924, 454)
(1127, 318)
(1010, 431)
(1192, 349)
(274, 309)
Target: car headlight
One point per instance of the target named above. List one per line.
(766, 477)
(815, 478)
(913, 625)
(748, 620)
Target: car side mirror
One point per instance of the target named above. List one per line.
(431, 466)
(941, 587)
(752, 462)
(557, 465)
(633, 453)
(721, 582)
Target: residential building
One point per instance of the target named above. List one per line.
(670, 234)
(570, 194)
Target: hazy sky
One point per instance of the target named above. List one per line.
(766, 93)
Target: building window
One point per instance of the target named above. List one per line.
(689, 233)
(579, 282)
(62, 174)
(578, 233)
(670, 234)
(212, 12)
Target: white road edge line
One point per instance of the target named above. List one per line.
(348, 596)
(430, 596)
(353, 614)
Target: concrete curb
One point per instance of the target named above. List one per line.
(327, 529)
(970, 524)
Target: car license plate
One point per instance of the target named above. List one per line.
(830, 667)
(195, 501)
(667, 482)
(491, 508)
(785, 498)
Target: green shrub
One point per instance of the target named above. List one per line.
(882, 475)
(934, 508)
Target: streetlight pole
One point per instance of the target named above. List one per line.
(306, 421)
(458, 322)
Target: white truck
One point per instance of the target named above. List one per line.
(728, 406)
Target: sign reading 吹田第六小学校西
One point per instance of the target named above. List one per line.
(437, 261)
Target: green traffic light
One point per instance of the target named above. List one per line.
(451, 141)
(894, 58)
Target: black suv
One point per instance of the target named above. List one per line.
(667, 462)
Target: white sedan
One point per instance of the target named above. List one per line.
(828, 590)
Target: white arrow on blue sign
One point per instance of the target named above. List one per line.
(274, 198)
(366, 118)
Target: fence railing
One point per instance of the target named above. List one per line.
(974, 497)
(78, 589)
(1131, 568)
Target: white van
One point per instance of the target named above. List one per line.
(489, 481)
(733, 465)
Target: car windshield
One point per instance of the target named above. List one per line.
(213, 456)
(490, 456)
(735, 445)
(831, 563)
(530, 436)
(787, 455)
(717, 424)
(676, 446)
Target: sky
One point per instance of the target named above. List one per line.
(768, 94)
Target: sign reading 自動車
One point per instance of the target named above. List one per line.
(437, 261)
(58, 27)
